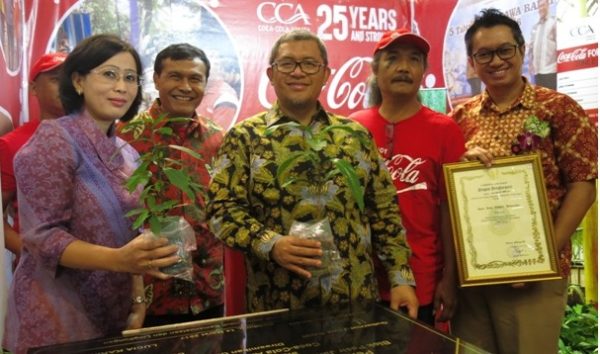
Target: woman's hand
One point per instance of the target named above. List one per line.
(146, 254)
(136, 316)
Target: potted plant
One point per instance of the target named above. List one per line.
(326, 169)
(579, 330)
(156, 172)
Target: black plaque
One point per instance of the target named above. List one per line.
(357, 329)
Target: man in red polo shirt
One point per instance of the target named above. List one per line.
(43, 84)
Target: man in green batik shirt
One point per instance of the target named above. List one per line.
(251, 210)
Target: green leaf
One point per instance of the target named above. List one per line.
(155, 224)
(165, 206)
(156, 121)
(134, 212)
(181, 180)
(190, 152)
(165, 131)
(288, 182)
(139, 221)
(137, 179)
(150, 201)
(287, 163)
(176, 177)
(348, 172)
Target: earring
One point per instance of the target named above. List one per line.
(79, 92)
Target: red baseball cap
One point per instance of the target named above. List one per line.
(405, 36)
(47, 62)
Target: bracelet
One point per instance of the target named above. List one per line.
(138, 300)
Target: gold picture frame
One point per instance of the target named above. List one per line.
(501, 221)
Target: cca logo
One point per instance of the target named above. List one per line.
(271, 12)
(583, 30)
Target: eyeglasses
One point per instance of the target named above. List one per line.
(306, 66)
(112, 76)
(486, 56)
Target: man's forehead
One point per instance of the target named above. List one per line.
(493, 35)
(299, 48)
(192, 64)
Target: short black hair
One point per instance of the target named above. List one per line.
(87, 55)
(490, 18)
(299, 35)
(180, 51)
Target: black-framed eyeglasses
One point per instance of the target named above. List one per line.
(306, 66)
(486, 56)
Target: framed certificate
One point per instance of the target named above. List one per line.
(501, 221)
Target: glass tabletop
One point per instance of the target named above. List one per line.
(346, 329)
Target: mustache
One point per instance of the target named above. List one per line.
(403, 78)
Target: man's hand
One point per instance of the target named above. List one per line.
(297, 254)
(444, 299)
(404, 296)
(478, 153)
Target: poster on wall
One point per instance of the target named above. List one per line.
(560, 37)
(537, 20)
(577, 58)
(237, 36)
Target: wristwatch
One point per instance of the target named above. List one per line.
(138, 300)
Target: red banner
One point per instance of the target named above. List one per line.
(582, 57)
(237, 36)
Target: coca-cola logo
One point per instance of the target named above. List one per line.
(404, 168)
(284, 13)
(341, 92)
(577, 55)
(347, 85)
